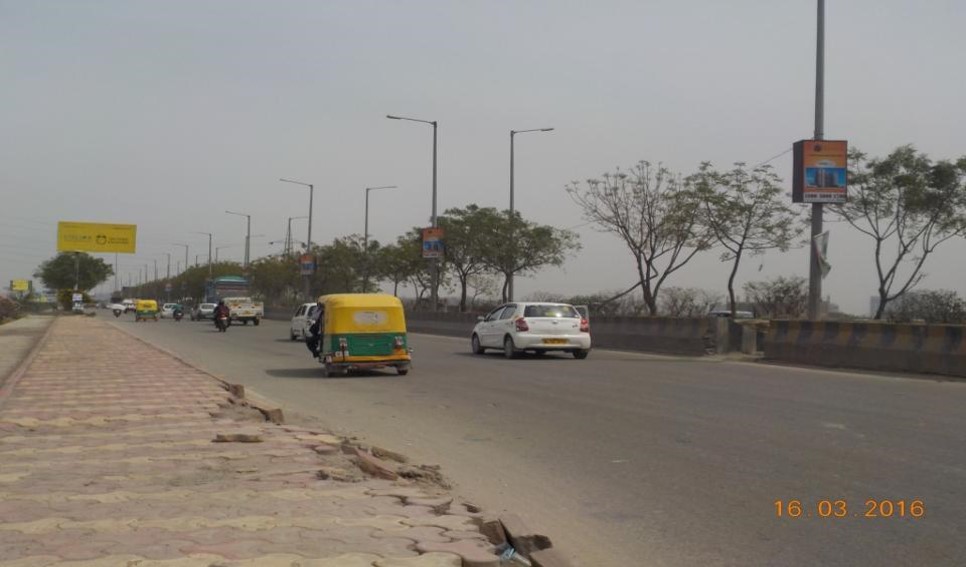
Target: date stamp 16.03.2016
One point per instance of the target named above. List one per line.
(842, 508)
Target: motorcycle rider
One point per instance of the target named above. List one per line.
(221, 310)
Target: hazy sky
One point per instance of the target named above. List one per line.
(164, 114)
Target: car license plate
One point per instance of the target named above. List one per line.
(554, 341)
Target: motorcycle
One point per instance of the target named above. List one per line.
(222, 323)
(177, 315)
(117, 312)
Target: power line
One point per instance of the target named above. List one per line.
(773, 158)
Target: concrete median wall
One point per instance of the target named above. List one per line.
(935, 349)
(647, 334)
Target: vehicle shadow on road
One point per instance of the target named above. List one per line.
(316, 372)
(549, 357)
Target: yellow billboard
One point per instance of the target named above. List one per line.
(96, 237)
(19, 285)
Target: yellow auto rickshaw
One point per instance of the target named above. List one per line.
(146, 309)
(363, 331)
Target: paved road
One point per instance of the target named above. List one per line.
(628, 459)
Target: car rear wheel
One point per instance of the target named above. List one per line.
(581, 354)
(476, 346)
(509, 350)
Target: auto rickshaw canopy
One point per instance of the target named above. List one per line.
(363, 313)
(146, 305)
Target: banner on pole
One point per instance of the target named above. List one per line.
(820, 241)
(819, 171)
(307, 264)
(432, 242)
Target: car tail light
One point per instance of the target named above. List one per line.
(521, 325)
(584, 326)
(397, 343)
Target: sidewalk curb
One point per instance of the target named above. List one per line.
(7, 386)
(271, 412)
(536, 547)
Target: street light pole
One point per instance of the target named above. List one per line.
(209, 251)
(435, 124)
(308, 240)
(248, 235)
(512, 210)
(185, 254)
(169, 265)
(814, 268)
(365, 235)
(288, 235)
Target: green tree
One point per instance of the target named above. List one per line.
(465, 250)
(514, 246)
(419, 269)
(339, 266)
(908, 205)
(393, 266)
(746, 213)
(276, 279)
(67, 269)
(653, 213)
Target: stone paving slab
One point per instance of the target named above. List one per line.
(108, 457)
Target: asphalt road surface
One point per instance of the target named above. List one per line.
(629, 459)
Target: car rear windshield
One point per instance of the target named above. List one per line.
(550, 311)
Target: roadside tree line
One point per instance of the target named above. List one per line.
(905, 203)
(484, 247)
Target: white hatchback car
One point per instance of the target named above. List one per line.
(167, 310)
(302, 319)
(537, 327)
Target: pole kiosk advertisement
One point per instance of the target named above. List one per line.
(432, 242)
(307, 264)
(819, 174)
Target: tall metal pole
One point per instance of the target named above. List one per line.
(248, 234)
(76, 271)
(365, 236)
(435, 294)
(248, 240)
(814, 268)
(115, 272)
(308, 240)
(307, 279)
(169, 265)
(155, 269)
(512, 208)
(509, 294)
(435, 263)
